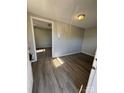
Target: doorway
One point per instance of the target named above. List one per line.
(42, 31)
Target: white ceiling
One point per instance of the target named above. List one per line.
(41, 24)
(66, 10)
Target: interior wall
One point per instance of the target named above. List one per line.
(43, 37)
(89, 44)
(67, 39)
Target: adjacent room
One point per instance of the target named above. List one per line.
(43, 36)
(62, 45)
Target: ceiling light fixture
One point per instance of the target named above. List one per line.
(81, 17)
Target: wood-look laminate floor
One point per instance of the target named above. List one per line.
(61, 75)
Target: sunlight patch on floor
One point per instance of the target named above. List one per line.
(57, 62)
(40, 50)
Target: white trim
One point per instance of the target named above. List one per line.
(72, 54)
(87, 53)
(32, 29)
(44, 20)
(66, 54)
(41, 19)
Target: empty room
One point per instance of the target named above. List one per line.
(43, 37)
(62, 46)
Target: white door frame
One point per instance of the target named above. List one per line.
(33, 36)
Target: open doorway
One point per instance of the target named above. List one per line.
(42, 30)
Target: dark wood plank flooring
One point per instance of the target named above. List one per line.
(61, 75)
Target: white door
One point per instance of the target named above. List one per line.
(93, 88)
(92, 84)
(29, 76)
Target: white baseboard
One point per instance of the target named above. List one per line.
(87, 54)
(65, 54)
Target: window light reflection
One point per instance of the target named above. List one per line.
(57, 62)
(40, 50)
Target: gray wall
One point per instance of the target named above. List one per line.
(66, 39)
(89, 41)
(43, 37)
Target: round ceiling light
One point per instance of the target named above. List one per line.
(81, 17)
